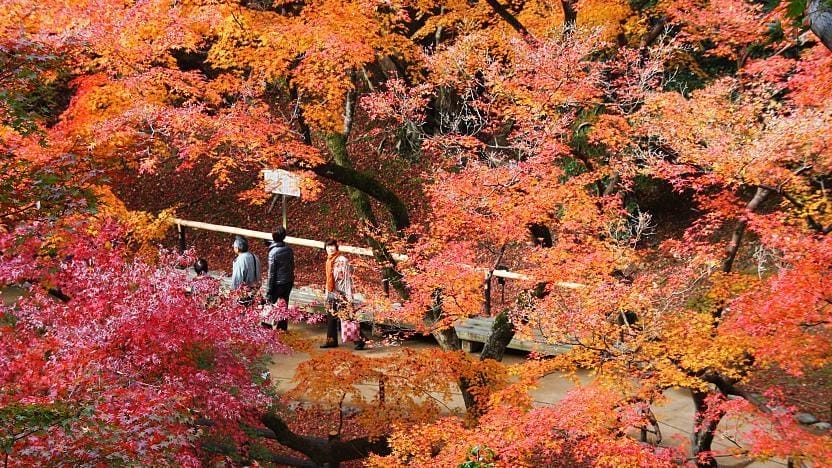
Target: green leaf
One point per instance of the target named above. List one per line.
(795, 9)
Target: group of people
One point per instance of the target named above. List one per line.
(245, 272)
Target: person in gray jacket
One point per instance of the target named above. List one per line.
(281, 277)
(245, 270)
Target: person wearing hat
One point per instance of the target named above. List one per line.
(245, 270)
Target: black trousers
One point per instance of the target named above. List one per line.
(332, 322)
(282, 291)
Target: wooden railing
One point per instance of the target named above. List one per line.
(183, 224)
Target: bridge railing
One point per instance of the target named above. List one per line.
(183, 224)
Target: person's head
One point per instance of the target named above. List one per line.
(279, 234)
(331, 246)
(201, 266)
(240, 244)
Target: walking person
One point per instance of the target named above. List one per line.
(281, 277)
(339, 297)
(245, 270)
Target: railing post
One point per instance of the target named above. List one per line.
(182, 244)
(385, 285)
(486, 306)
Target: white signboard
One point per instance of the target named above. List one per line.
(281, 182)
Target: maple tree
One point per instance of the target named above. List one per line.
(710, 147)
(116, 372)
(537, 138)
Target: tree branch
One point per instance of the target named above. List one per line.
(570, 15)
(298, 114)
(487, 286)
(819, 16)
(813, 224)
(510, 19)
(736, 238)
(320, 451)
(652, 34)
(364, 182)
(337, 145)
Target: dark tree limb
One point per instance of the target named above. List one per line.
(570, 15)
(612, 184)
(502, 332)
(652, 34)
(510, 19)
(58, 294)
(305, 132)
(446, 337)
(759, 197)
(345, 174)
(703, 432)
(486, 305)
(369, 185)
(336, 142)
(736, 238)
(810, 221)
(325, 451)
(283, 460)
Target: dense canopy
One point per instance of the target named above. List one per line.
(668, 161)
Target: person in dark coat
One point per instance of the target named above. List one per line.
(281, 277)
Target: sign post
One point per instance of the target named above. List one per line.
(283, 183)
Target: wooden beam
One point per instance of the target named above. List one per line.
(520, 276)
(182, 223)
(268, 236)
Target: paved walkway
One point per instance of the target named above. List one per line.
(675, 416)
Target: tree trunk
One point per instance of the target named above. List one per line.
(346, 175)
(570, 15)
(703, 432)
(447, 337)
(486, 290)
(502, 332)
(819, 17)
(336, 142)
(739, 231)
(510, 19)
(337, 145)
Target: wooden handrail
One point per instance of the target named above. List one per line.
(520, 276)
(344, 248)
(268, 236)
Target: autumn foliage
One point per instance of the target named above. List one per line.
(120, 372)
(658, 172)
